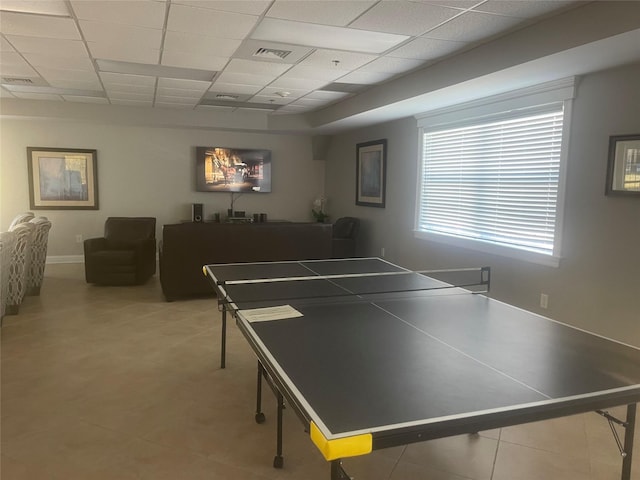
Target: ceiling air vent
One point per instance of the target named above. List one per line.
(17, 81)
(271, 53)
(227, 96)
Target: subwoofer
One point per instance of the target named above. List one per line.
(197, 212)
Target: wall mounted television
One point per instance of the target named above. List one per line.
(221, 169)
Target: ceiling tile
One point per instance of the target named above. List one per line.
(235, 88)
(177, 92)
(310, 101)
(215, 23)
(38, 96)
(50, 46)
(292, 92)
(407, 18)
(200, 44)
(193, 60)
(304, 71)
(132, 103)
(181, 84)
(134, 12)
(177, 99)
(72, 63)
(124, 53)
(391, 65)
(245, 78)
(249, 7)
(73, 84)
(63, 74)
(286, 83)
(521, 9)
(83, 99)
(38, 26)
(365, 78)
(472, 27)
(113, 34)
(43, 7)
(270, 99)
(459, 4)
(426, 48)
(324, 36)
(347, 60)
(173, 105)
(5, 46)
(321, 95)
(120, 95)
(135, 89)
(238, 65)
(18, 70)
(12, 59)
(109, 78)
(336, 13)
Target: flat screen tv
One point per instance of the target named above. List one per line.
(221, 169)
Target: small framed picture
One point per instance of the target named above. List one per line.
(623, 169)
(62, 178)
(371, 173)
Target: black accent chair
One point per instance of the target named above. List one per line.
(126, 255)
(345, 231)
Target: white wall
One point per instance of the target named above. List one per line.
(150, 171)
(597, 286)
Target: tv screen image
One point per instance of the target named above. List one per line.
(221, 169)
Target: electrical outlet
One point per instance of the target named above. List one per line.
(78, 238)
(382, 252)
(544, 300)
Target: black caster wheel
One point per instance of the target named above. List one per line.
(278, 461)
(260, 417)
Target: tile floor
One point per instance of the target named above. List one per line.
(114, 383)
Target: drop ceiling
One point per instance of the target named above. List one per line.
(281, 57)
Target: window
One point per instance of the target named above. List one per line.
(494, 182)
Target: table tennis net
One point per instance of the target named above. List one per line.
(354, 287)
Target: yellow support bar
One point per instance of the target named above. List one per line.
(341, 447)
(204, 270)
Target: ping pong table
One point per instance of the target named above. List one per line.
(370, 355)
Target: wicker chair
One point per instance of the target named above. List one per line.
(21, 218)
(35, 273)
(19, 266)
(7, 242)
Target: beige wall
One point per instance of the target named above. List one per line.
(150, 171)
(596, 286)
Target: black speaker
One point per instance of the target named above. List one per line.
(196, 212)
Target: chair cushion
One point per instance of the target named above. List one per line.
(107, 258)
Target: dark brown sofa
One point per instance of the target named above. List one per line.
(186, 247)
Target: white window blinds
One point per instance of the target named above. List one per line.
(494, 181)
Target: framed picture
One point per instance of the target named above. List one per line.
(62, 178)
(371, 173)
(623, 170)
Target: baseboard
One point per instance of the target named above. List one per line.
(65, 259)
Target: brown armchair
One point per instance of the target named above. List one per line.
(345, 231)
(126, 255)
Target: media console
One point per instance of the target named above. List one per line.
(186, 247)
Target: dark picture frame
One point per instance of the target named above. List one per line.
(371, 173)
(623, 167)
(62, 178)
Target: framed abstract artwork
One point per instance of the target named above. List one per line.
(62, 178)
(371, 173)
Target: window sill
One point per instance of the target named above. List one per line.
(486, 247)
